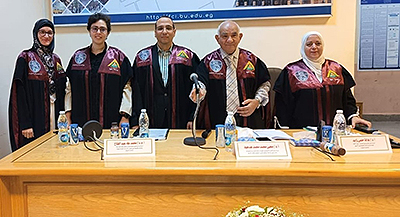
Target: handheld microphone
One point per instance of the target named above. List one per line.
(195, 79)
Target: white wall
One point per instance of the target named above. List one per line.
(276, 41)
(18, 17)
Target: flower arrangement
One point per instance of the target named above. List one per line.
(256, 211)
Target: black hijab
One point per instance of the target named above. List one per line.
(45, 52)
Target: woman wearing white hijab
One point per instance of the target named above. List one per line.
(313, 88)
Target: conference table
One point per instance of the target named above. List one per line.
(41, 179)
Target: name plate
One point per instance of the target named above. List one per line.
(271, 150)
(366, 144)
(122, 148)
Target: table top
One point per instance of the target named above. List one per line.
(45, 157)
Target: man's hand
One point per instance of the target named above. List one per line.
(192, 95)
(249, 106)
(189, 125)
(358, 120)
(68, 115)
(123, 120)
(28, 133)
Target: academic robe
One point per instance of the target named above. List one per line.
(97, 83)
(251, 73)
(167, 106)
(302, 100)
(29, 105)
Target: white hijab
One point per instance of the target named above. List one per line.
(314, 65)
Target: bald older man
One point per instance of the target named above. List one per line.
(234, 80)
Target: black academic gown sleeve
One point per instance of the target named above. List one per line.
(24, 114)
(284, 100)
(349, 101)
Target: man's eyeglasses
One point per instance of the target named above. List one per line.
(42, 33)
(95, 29)
(167, 28)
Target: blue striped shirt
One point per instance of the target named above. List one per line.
(163, 60)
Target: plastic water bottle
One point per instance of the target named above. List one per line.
(114, 130)
(230, 132)
(339, 125)
(143, 124)
(62, 124)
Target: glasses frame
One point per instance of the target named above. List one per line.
(95, 29)
(42, 33)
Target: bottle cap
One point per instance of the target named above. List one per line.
(339, 111)
(143, 110)
(114, 123)
(62, 112)
(341, 151)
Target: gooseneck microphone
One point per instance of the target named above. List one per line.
(193, 140)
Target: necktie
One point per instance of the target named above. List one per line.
(232, 98)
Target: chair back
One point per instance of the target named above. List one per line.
(274, 73)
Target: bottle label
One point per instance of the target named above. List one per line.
(64, 137)
(144, 135)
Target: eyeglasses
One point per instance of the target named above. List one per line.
(167, 28)
(42, 33)
(95, 29)
(310, 43)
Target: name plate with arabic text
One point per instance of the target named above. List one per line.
(366, 144)
(271, 150)
(118, 148)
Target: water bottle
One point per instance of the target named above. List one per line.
(143, 124)
(114, 130)
(230, 132)
(62, 124)
(339, 125)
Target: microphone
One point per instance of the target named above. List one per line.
(195, 79)
(193, 140)
(206, 133)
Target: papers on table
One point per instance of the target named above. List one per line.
(158, 134)
(271, 134)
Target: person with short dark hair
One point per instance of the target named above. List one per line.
(235, 80)
(99, 79)
(38, 88)
(162, 72)
(313, 88)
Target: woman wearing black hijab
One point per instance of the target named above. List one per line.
(38, 88)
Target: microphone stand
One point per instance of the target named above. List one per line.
(198, 141)
(193, 140)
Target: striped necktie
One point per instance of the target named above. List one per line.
(232, 98)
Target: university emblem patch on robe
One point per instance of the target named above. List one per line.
(332, 74)
(144, 54)
(114, 64)
(249, 66)
(301, 75)
(59, 67)
(80, 57)
(216, 65)
(182, 54)
(34, 66)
